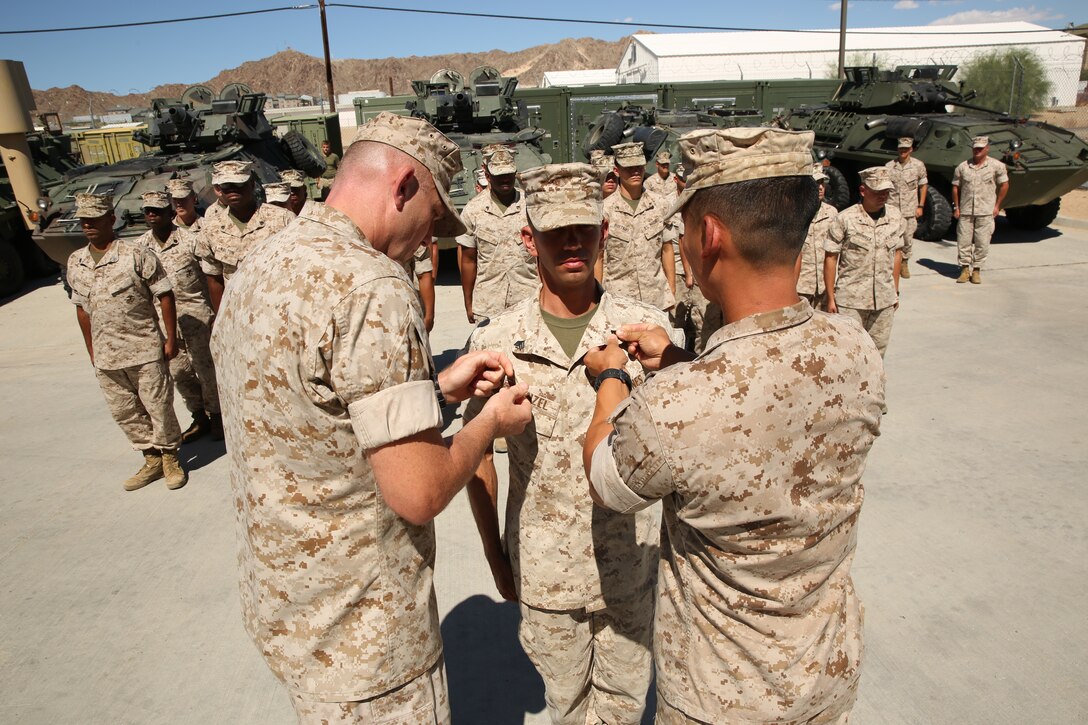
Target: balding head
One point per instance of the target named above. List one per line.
(389, 195)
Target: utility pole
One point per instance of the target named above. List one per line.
(328, 61)
(842, 41)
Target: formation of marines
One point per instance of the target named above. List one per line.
(297, 330)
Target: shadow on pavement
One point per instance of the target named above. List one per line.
(942, 268)
(30, 285)
(200, 453)
(1005, 233)
(490, 678)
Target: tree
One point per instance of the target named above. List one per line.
(997, 79)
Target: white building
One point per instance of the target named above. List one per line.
(570, 78)
(673, 57)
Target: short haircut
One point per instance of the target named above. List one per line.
(768, 217)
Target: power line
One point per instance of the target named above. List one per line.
(140, 23)
(498, 16)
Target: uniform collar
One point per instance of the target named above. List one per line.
(108, 258)
(537, 339)
(646, 202)
(863, 215)
(492, 205)
(334, 219)
(171, 241)
(760, 324)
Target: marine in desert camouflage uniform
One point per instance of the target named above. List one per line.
(863, 257)
(298, 200)
(183, 200)
(227, 236)
(908, 195)
(755, 449)
(810, 263)
(278, 193)
(637, 261)
(115, 283)
(333, 420)
(584, 579)
(496, 270)
(192, 368)
(979, 186)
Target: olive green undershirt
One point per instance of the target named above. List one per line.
(96, 254)
(568, 331)
(633, 203)
(237, 222)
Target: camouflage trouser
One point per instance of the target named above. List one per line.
(595, 665)
(422, 701)
(141, 400)
(910, 226)
(696, 316)
(973, 239)
(878, 323)
(838, 714)
(192, 368)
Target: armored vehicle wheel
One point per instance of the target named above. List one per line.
(11, 269)
(303, 154)
(936, 217)
(607, 130)
(838, 191)
(1034, 216)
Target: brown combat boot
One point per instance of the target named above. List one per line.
(216, 421)
(151, 471)
(976, 277)
(176, 477)
(201, 427)
(965, 274)
(904, 270)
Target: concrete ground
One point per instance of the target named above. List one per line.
(973, 560)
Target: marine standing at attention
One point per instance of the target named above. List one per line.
(637, 261)
(863, 257)
(226, 237)
(755, 449)
(584, 578)
(332, 164)
(115, 284)
(298, 200)
(192, 368)
(979, 187)
(183, 199)
(810, 263)
(496, 271)
(333, 422)
(908, 195)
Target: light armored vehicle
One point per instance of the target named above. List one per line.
(186, 137)
(859, 126)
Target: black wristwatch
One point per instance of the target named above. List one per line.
(616, 373)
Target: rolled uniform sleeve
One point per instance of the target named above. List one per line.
(468, 239)
(629, 470)
(381, 367)
(151, 271)
(76, 283)
(957, 175)
(836, 233)
(1002, 173)
(209, 265)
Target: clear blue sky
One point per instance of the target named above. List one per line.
(137, 59)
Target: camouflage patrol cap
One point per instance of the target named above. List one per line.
(719, 156)
(876, 178)
(154, 200)
(629, 154)
(905, 142)
(979, 142)
(92, 206)
(277, 191)
(293, 177)
(427, 145)
(232, 172)
(562, 195)
(179, 188)
(818, 172)
(664, 158)
(500, 161)
(602, 161)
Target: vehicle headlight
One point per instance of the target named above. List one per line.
(43, 203)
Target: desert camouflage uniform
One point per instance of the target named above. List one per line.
(632, 253)
(656, 185)
(978, 197)
(505, 271)
(906, 179)
(222, 245)
(864, 279)
(192, 368)
(810, 284)
(120, 293)
(756, 450)
(584, 576)
(336, 588)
